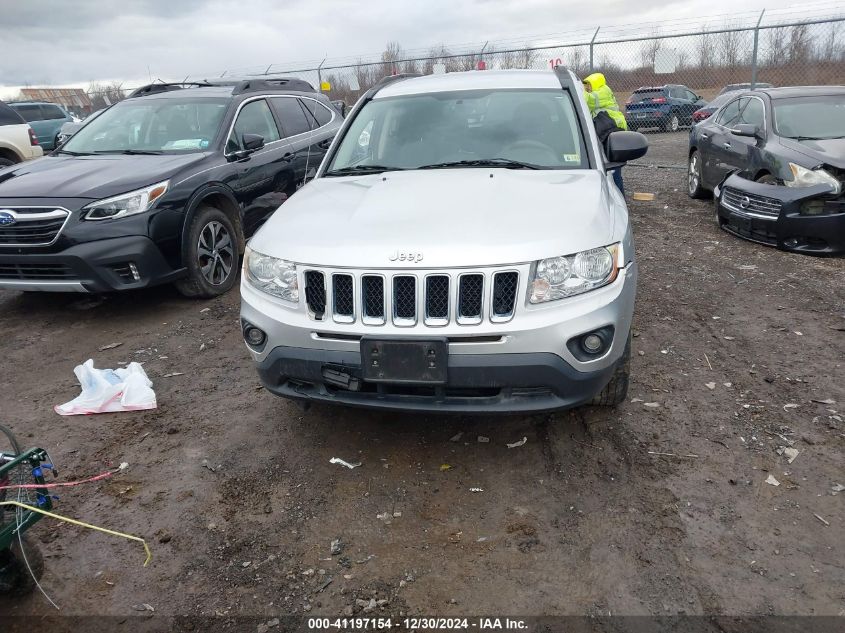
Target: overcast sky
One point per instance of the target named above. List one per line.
(71, 42)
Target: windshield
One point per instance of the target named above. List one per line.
(535, 129)
(819, 117)
(151, 125)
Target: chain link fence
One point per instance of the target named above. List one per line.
(782, 54)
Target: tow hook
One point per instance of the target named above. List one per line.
(340, 377)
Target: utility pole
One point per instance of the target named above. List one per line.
(593, 41)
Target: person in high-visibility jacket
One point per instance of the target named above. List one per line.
(600, 98)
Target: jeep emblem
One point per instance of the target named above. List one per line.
(406, 256)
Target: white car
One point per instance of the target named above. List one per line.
(17, 139)
(462, 248)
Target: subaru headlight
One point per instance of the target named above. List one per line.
(274, 276)
(803, 177)
(125, 204)
(570, 275)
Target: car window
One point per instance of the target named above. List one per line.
(753, 113)
(291, 115)
(677, 93)
(411, 131)
(166, 125)
(816, 117)
(690, 95)
(30, 112)
(254, 118)
(8, 116)
(318, 114)
(729, 114)
(49, 111)
(647, 95)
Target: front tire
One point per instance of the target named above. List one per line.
(694, 186)
(212, 254)
(616, 390)
(15, 577)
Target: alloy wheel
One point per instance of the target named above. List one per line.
(692, 173)
(673, 123)
(215, 253)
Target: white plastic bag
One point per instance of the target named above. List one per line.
(110, 390)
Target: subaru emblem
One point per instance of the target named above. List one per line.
(7, 218)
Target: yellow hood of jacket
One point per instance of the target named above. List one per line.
(596, 81)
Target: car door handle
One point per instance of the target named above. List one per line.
(324, 144)
(727, 145)
(705, 136)
(288, 157)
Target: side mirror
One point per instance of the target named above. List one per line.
(625, 146)
(252, 142)
(747, 129)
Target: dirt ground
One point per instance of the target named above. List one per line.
(660, 506)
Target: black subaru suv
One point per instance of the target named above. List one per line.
(162, 187)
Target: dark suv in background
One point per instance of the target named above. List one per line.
(162, 187)
(665, 107)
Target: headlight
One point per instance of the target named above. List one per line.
(570, 275)
(274, 276)
(126, 204)
(803, 177)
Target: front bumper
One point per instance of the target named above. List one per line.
(788, 229)
(478, 383)
(521, 365)
(100, 266)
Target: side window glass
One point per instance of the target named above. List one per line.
(318, 114)
(52, 112)
(730, 114)
(30, 113)
(691, 96)
(676, 93)
(291, 115)
(254, 118)
(753, 113)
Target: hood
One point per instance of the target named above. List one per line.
(596, 81)
(451, 217)
(828, 151)
(92, 177)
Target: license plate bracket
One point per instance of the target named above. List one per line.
(403, 361)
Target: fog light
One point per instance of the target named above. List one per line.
(254, 336)
(134, 270)
(592, 343)
(812, 207)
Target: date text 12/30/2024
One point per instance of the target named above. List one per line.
(417, 624)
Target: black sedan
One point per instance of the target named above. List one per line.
(775, 161)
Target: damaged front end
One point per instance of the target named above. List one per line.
(807, 220)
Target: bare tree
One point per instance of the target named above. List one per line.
(776, 45)
(705, 49)
(392, 54)
(730, 48)
(578, 62)
(649, 50)
(800, 45)
(105, 94)
(411, 66)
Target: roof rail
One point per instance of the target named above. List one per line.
(280, 83)
(389, 79)
(159, 86)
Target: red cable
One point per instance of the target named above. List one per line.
(61, 484)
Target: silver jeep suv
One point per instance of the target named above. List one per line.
(461, 248)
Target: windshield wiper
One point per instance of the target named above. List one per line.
(69, 153)
(813, 138)
(361, 169)
(484, 162)
(131, 152)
